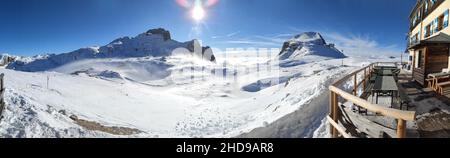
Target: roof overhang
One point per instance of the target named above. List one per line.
(441, 38)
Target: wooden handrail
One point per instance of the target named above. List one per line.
(401, 116)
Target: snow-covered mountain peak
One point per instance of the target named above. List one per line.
(309, 37)
(308, 44)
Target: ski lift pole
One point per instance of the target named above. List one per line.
(48, 79)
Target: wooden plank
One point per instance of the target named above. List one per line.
(368, 127)
(339, 128)
(405, 115)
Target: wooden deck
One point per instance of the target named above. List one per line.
(358, 115)
(432, 110)
(376, 120)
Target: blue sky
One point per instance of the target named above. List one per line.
(30, 27)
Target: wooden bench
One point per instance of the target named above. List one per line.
(365, 95)
(430, 83)
(373, 78)
(443, 88)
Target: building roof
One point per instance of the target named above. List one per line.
(440, 38)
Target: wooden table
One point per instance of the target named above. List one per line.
(386, 67)
(385, 84)
(386, 73)
(386, 70)
(435, 78)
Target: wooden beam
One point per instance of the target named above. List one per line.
(394, 113)
(339, 128)
(401, 128)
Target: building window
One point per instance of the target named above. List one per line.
(440, 25)
(427, 31)
(415, 39)
(440, 22)
(445, 19)
(426, 7)
(433, 2)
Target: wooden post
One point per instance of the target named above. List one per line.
(334, 113)
(365, 79)
(401, 128)
(355, 87)
(331, 110)
(1, 82)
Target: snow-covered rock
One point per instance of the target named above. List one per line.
(308, 44)
(5, 59)
(154, 43)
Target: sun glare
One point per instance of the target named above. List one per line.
(198, 13)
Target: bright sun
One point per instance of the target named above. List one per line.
(198, 13)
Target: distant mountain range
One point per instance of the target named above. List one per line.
(154, 42)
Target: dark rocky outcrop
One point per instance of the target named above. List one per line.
(160, 31)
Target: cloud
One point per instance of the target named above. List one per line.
(360, 45)
(350, 44)
(233, 34)
(252, 43)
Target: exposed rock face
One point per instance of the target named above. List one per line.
(160, 31)
(308, 43)
(6, 59)
(206, 53)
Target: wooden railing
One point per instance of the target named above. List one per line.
(337, 93)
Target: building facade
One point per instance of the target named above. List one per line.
(429, 38)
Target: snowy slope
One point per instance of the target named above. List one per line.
(179, 95)
(154, 43)
(213, 107)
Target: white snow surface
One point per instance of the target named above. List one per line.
(171, 96)
(152, 95)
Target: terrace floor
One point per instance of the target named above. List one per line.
(432, 110)
(432, 114)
